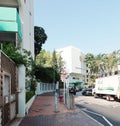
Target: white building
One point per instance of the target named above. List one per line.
(17, 23)
(74, 63)
(16, 26)
(26, 12)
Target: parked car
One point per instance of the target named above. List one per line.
(87, 91)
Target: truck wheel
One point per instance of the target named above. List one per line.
(118, 100)
(108, 98)
(95, 95)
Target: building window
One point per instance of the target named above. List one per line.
(24, 1)
(30, 13)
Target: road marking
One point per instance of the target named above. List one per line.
(98, 115)
(107, 121)
(91, 117)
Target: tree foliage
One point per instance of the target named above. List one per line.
(57, 62)
(39, 37)
(102, 64)
(44, 59)
(49, 65)
(46, 74)
(18, 55)
(21, 56)
(60, 63)
(47, 59)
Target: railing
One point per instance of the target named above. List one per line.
(44, 87)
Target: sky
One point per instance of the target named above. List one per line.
(93, 26)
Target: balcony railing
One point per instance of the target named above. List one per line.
(10, 21)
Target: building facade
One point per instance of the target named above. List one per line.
(74, 64)
(16, 26)
(17, 23)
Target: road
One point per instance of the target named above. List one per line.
(106, 112)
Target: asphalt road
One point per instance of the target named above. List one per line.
(106, 112)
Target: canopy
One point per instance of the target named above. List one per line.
(77, 83)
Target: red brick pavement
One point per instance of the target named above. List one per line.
(42, 113)
(44, 105)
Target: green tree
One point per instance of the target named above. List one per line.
(46, 74)
(40, 38)
(100, 59)
(44, 58)
(54, 65)
(102, 64)
(60, 63)
(21, 56)
(92, 67)
(48, 63)
(18, 55)
(90, 62)
(47, 59)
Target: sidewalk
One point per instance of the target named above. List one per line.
(42, 113)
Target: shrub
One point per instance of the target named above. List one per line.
(29, 95)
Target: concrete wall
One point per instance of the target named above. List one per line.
(26, 12)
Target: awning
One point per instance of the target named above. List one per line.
(10, 21)
(76, 83)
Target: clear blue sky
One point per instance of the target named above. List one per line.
(91, 25)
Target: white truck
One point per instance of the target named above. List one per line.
(108, 87)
